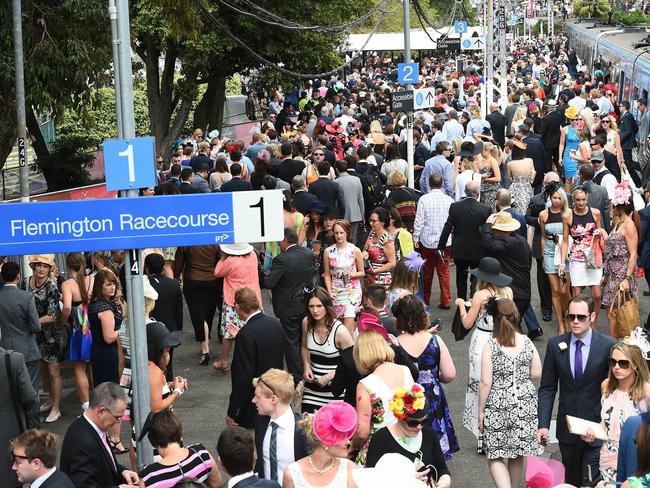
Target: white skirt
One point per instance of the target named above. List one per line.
(583, 276)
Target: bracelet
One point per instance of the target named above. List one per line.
(179, 392)
(628, 278)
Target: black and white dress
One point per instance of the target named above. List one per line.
(510, 422)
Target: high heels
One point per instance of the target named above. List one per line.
(205, 359)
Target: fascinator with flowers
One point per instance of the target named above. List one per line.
(408, 403)
(335, 423)
(414, 261)
(639, 338)
(622, 194)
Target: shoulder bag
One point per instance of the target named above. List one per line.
(625, 308)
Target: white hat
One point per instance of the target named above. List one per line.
(213, 134)
(149, 291)
(236, 249)
(391, 470)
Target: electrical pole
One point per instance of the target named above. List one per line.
(409, 115)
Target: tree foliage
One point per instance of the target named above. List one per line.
(592, 9)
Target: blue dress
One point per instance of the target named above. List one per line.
(103, 356)
(429, 377)
(571, 143)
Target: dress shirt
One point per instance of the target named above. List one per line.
(438, 164)
(284, 448)
(578, 103)
(430, 218)
(251, 316)
(608, 182)
(605, 107)
(39, 481)
(586, 345)
(236, 479)
(453, 129)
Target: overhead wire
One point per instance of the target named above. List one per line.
(224, 28)
(452, 17)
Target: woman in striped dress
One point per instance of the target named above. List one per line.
(323, 339)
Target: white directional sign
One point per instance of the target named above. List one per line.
(468, 43)
(424, 98)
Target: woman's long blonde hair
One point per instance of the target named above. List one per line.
(633, 353)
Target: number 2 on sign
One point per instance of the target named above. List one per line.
(260, 205)
(128, 152)
(409, 74)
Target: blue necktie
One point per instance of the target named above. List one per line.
(273, 451)
(577, 364)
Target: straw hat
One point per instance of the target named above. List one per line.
(47, 259)
(237, 249)
(503, 221)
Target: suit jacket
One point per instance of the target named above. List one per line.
(236, 184)
(509, 115)
(290, 272)
(498, 125)
(254, 481)
(598, 198)
(644, 238)
(290, 168)
(19, 320)
(628, 129)
(352, 191)
(303, 201)
(581, 401)
(186, 188)
(259, 346)
(551, 131)
(197, 161)
(200, 184)
(536, 151)
(465, 218)
(535, 206)
(58, 479)
(169, 305)
(329, 193)
(85, 459)
(300, 447)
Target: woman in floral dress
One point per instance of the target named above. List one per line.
(343, 268)
(379, 250)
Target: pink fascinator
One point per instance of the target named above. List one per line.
(414, 261)
(622, 194)
(335, 423)
(543, 473)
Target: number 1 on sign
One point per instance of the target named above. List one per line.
(260, 205)
(128, 152)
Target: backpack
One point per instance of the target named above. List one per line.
(373, 189)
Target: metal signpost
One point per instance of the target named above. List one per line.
(409, 112)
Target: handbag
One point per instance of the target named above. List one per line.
(296, 401)
(80, 339)
(626, 313)
(14, 393)
(457, 327)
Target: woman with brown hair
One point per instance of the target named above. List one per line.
(507, 395)
(488, 166)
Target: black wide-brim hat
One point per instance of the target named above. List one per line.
(489, 270)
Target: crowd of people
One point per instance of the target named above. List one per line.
(343, 384)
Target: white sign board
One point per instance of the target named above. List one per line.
(424, 98)
(472, 43)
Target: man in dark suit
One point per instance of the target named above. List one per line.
(551, 131)
(258, 348)
(465, 218)
(86, 456)
(644, 239)
(302, 199)
(291, 271)
(34, 460)
(187, 178)
(577, 361)
(236, 450)
(597, 195)
(169, 305)
(534, 150)
(327, 191)
(278, 440)
(289, 167)
(497, 123)
(202, 158)
(20, 325)
(236, 183)
(510, 112)
(628, 129)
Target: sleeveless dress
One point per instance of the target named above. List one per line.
(197, 465)
(377, 259)
(348, 295)
(511, 408)
(489, 190)
(339, 481)
(103, 356)
(553, 227)
(582, 232)
(615, 267)
(439, 414)
(615, 409)
(323, 358)
(380, 394)
(571, 143)
(480, 337)
(522, 192)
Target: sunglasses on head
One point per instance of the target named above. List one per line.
(414, 422)
(573, 316)
(622, 363)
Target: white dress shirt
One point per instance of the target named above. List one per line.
(430, 218)
(42, 479)
(608, 182)
(236, 479)
(284, 448)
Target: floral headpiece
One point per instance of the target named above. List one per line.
(407, 402)
(414, 261)
(639, 339)
(622, 194)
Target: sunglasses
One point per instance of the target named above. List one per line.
(415, 423)
(573, 316)
(319, 154)
(606, 121)
(622, 363)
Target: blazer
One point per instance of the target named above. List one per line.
(236, 184)
(598, 198)
(352, 191)
(329, 193)
(259, 346)
(628, 129)
(300, 447)
(465, 218)
(551, 131)
(200, 184)
(254, 481)
(186, 188)
(290, 168)
(304, 201)
(536, 205)
(644, 238)
(85, 459)
(169, 306)
(290, 272)
(523, 229)
(20, 323)
(498, 125)
(58, 479)
(581, 401)
(536, 151)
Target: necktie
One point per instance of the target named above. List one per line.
(110, 452)
(273, 451)
(577, 363)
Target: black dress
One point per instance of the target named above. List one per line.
(103, 356)
(383, 442)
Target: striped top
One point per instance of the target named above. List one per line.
(197, 464)
(323, 358)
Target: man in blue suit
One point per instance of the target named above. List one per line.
(577, 361)
(236, 455)
(644, 237)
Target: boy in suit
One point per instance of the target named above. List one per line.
(236, 455)
(577, 361)
(34, 460)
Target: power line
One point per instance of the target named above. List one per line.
(452, 17)
(263, 60)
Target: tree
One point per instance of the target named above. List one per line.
(592, 9)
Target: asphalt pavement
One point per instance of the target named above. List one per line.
(203, 407)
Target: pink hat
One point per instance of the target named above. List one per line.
(543, 473)
(335, 423)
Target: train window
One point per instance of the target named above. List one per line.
(626, 89)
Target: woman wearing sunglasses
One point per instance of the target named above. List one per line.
(569, 142)
(412, 437)
(627, 383)
(608, 124)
